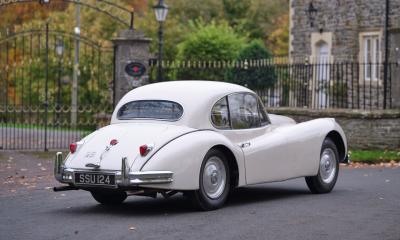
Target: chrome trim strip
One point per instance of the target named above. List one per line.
(150, 174)
(150, 181)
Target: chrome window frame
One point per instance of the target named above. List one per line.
(259, 102)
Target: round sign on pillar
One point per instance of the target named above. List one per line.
(135, 70)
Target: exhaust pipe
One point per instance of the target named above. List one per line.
(64, 188)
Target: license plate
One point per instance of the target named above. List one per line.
(95, 179)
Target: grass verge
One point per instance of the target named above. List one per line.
(374, 156)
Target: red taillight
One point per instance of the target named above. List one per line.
(143, 150)
(113, 142)
(73, 147)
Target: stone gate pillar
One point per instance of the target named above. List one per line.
(131, 62)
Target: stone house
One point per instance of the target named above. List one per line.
(349, 32)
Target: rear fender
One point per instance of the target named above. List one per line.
(319, 129)
(184, 156)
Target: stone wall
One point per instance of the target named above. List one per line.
(364, 129)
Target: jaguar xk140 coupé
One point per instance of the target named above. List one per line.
(203, 139)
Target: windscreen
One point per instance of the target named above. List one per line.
(150, 109)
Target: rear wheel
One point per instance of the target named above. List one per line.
(214, 182)
(328, 169)
(109, 198)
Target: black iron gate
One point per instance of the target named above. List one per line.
(47, 99)
(36, 76)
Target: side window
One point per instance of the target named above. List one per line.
(244, 112)
(220, 114)
(264, 120)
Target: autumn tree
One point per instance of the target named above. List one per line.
(278, 40)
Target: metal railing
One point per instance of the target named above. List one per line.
(26, 123)
(284, 83)
(25, 127)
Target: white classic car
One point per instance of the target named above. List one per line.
(200, 138)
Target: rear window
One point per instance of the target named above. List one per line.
(150, 109)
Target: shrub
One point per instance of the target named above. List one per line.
(253, 77)
(208, 42)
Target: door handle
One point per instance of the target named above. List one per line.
(245, 144)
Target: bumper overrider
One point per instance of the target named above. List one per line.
(123, 178)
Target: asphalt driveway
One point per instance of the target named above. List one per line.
(365, 204)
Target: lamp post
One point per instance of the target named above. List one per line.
(386, 60)
(75, 76)
(161, 11)
(312, 13)
(60, 53)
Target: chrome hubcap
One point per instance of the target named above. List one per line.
(214, 177)
(327, 165)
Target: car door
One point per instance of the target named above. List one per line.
(267, 156)
(242, 119)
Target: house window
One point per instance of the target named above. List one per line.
(371, 56)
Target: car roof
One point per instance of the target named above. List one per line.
(182, 91)
(196, 97)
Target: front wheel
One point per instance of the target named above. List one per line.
(214, 182)
(328, 169)
(109, 198)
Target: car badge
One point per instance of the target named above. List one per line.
(113, 142)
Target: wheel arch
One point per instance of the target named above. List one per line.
(185, 162)
(232, 161)
(339, 142)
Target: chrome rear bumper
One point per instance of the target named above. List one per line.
(123, 178)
